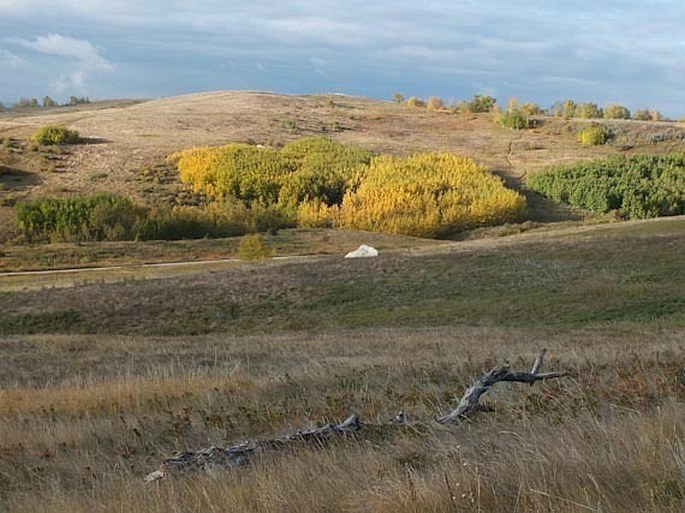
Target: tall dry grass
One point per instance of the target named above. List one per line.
(610, 438)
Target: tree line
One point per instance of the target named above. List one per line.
(34, 103)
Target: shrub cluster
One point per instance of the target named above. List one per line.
(97, 217)
(589, 110)
(428, 195)
(514, 119)
(415, 101)
(637, 187)
(55, 134)
(647, 115)
(616, 111)
(247, 173)
(317, 182)
(594, 135)
(308, 169)
(112, 217)
(568, 109)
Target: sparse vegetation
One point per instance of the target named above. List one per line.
(636, 187)
(435, 103)
(105, 373)
(415, 102)
(55, 134)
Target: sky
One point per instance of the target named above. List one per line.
(630, 52)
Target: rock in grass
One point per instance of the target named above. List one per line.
(363, 251)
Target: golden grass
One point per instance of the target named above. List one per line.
(80, 435)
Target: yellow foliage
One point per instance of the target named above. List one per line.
(321, 183)
(253, 247)
(428, 195)
(248, 173)
(316, 214)
(435, 103)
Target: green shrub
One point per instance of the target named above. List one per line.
(324, 170)
(594, 135)
(637, 187)
(480, 103)
(80, 218)
(514, 119)
(54, 134)
(220, 219)
(253, 247)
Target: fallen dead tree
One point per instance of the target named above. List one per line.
(244, 453)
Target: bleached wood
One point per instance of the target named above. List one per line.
(244, 453)
(470, 401)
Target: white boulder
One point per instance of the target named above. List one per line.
(363, 251)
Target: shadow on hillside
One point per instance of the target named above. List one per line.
(17, 179)
(93, 140)
(544, 210)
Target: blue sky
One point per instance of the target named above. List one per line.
(611, 51)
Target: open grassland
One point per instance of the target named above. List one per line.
(131, 253)
(102, 381)
(613, 273)
(104, 373)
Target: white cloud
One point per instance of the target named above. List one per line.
(84, 57)
(322, 30)
(79, 50)
(546, 50)
(75, 81)
(12, 59)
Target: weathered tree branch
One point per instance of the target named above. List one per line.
(241, 454)
(470, 401)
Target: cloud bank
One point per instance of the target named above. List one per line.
(629, 51)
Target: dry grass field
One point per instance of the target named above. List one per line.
(101, 381)
(106, 372)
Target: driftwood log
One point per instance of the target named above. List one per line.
(244, 453)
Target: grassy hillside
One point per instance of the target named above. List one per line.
(95, 397)
(618, 274)
(125, 144)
